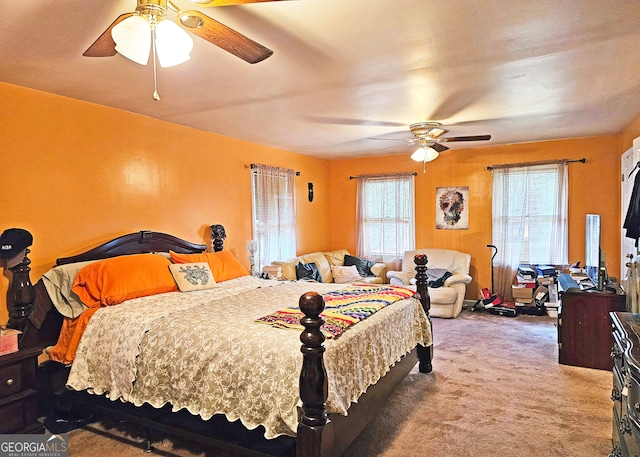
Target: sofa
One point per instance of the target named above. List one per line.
(332, 263)
(448, 276)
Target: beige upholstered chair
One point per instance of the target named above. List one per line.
(446, 301)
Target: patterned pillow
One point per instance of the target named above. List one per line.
(192, 276)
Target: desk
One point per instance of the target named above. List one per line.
(584, 328)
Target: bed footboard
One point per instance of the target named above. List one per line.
(425, 354)
(315, 431)
(315, 436)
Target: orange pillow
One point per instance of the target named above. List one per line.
(112, 281)
(224, 265)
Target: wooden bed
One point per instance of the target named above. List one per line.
(318, 433)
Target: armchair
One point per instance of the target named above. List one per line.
(446, 301)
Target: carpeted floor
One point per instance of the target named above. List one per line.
(496, 390)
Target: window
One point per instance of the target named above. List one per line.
(529, 217)
(385, 217)
(274, 214)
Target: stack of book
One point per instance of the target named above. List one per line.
(528, 296)
(522, 290)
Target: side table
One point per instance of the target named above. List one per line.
(18, 394)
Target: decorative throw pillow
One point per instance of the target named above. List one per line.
(112, 281)
(223, 264)
(363, 266)
(345, 275)
(192, 276)
(308, 272)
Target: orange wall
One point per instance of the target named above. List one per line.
(594, 187)
(77, 174)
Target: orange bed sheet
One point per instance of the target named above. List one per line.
(72, 329)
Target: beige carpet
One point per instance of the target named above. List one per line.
(496, 390)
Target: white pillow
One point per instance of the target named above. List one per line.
(344, 275)
(192, 276)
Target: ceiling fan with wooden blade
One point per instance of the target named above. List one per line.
(431, 133)
(193, 21)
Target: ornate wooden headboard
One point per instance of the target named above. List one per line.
(40, 321)
(141, 242)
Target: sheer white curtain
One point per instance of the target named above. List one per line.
(385, 217)
(274, 214)
(529, 219)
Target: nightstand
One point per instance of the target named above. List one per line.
(18, 394)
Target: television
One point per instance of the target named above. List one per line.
(595, 262)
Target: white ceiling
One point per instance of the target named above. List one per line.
(344, 71)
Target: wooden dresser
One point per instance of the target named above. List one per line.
(625, 393)
(18, 394)
(584, 328)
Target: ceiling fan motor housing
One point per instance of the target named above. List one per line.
(152, 3)
(423, 130)
(154, 10)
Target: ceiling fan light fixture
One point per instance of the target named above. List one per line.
(425, 154)
(172, 44)
(133, 38)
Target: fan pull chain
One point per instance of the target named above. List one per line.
(156, 96)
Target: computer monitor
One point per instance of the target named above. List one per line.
(595, 262)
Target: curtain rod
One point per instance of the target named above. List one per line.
(528, 164)
(256, 165)
(413, 173)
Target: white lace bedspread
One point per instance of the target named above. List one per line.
(203, 351)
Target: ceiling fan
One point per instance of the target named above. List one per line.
(148, 30)
(429, 136)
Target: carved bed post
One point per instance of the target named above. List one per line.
(218, 235)
(21, 294)
(425, 354)
(315, 437)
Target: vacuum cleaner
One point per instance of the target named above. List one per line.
(491, 301)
